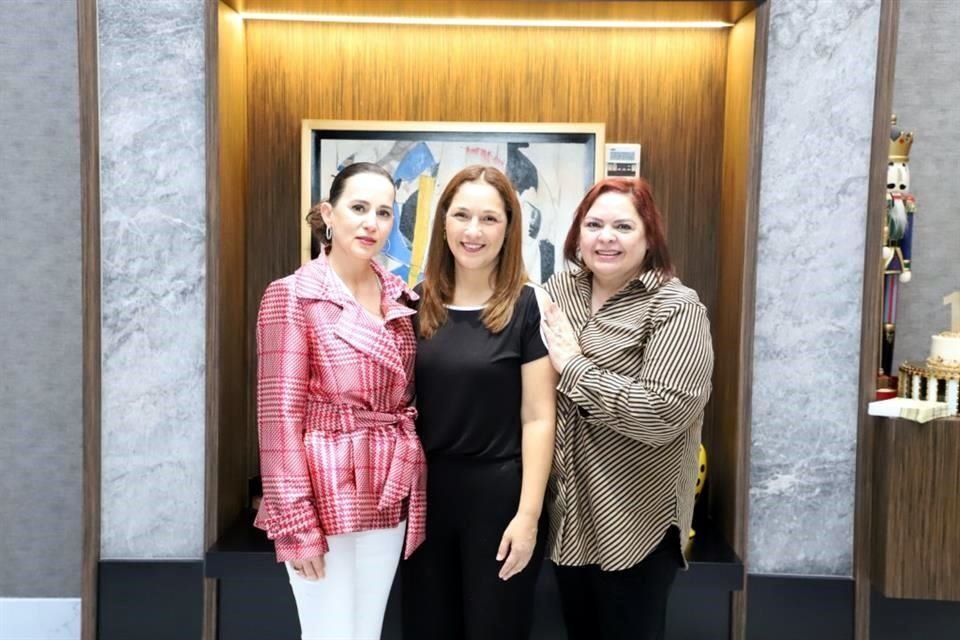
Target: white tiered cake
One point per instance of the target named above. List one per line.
(937, 379)
(945, 350)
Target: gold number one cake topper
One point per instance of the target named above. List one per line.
(954, 301)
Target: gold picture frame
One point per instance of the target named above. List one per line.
(552, 166)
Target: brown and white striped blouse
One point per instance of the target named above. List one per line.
(629, 417)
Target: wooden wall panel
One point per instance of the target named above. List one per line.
(723, 441)
(662, 88)
(916, 509)
(729, 11)
(233, 373)
(89, 84)
(863, 541)
(728, 440)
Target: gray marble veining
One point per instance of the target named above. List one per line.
(153, 245)
(818, 119)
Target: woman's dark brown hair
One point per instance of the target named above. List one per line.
(314, 217)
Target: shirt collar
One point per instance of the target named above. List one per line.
(650, 280)
(317, 281)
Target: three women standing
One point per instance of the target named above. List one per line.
(343, 469)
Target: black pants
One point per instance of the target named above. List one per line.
(450, 586)
(620, 605)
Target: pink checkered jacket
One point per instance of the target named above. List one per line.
(338, 448)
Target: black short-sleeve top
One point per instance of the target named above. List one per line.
(468, 383)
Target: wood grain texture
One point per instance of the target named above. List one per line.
(916, 509)
(871, 315)
(227, 380)
(722, 440)
(729, 11)
(662, 88)
(214, 312)
(231, 232)
(90, 231)
(736, 277)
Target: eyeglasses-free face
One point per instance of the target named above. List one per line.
(612, 239)
(476, 225)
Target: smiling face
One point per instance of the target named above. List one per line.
(362, 216)
(612, 239)
(476, 224)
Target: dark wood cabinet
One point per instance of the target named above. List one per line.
(916, 509)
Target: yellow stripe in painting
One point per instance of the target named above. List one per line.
(422, 228)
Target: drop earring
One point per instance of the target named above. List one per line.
(328, 233)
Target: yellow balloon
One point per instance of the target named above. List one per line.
(701, 479)
(701, 472)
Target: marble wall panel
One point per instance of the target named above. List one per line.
(153, 235)
(818, 119)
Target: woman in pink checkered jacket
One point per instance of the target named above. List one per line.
(343, 470)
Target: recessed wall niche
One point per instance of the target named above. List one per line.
(690, 96)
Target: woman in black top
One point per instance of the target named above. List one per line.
(485, 394)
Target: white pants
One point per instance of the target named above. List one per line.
(349, 602)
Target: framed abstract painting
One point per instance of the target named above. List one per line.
(550, 165)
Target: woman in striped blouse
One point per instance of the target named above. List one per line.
(633, 349)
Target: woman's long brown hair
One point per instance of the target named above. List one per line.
(440, 276)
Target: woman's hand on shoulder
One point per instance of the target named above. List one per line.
(309, 568)
(516, 545)
(562, 340)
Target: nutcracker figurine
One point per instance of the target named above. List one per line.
(897, 237)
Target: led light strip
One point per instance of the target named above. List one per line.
(487, 22)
